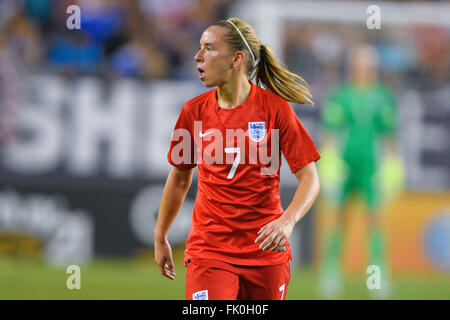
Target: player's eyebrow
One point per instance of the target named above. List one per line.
(209, 44)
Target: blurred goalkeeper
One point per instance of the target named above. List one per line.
(359, 119)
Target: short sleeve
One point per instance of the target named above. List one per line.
(296, 144)
(182, 146)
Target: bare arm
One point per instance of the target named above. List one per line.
(177, 184)
(279, 230)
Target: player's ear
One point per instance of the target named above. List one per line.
(238, 58)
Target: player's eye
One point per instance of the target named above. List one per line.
(208, 48)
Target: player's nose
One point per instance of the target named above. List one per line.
(199, 56)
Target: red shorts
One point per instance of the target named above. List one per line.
(208, 279)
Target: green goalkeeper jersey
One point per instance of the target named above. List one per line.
(359, 117)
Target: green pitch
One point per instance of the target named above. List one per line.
(140, 279)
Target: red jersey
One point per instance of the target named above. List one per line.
(238, 187)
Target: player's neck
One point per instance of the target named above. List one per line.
(234, 93)
(364, 83)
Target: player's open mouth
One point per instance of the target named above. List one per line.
(201, 73)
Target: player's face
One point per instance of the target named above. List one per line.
(214, 59)
(363, 69)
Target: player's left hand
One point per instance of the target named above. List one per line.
(274, 233)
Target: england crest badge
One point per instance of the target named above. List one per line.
(257, 130)
(200, 295)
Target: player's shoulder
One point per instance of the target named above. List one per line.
(341, 93)
(271, 100)
(268, 95)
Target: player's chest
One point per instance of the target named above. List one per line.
(250, 141)
(362, 109)
(231, 128)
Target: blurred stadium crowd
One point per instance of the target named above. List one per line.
(145, 38)
(416, 56)
(157, 39)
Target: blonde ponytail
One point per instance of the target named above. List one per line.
(268, 70)
(279, 80)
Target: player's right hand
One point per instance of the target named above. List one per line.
(163, 257)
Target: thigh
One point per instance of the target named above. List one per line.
(209, 282)
(344, 190)
(370, 191)
(264, 283)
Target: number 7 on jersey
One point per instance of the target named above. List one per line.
(235, 162)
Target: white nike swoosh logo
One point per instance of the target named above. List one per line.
(206, 133)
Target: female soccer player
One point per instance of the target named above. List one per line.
(237, 247)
